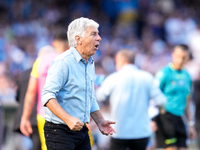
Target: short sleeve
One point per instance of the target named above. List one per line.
(160, 79)
(156, 94)
(34, 72)
(95, 105)
(190, 86)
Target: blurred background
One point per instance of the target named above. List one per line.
(149, 27)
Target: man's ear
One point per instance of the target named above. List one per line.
(78, 40)
(53, 43)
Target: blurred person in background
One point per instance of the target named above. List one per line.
(20, 140)
(130, 90)
(193, 43)
(175, 82)
(178, 26)
(2, 69)
(7, 91)
(32, 90)
(68, 94)
(196, 99)
(1, 128)
(193, 67)
(7, 99)
(37, 81)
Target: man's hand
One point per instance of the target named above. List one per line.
(105, 127)
(153, 126)
(75, 124)
(25, 127)
(191, 132)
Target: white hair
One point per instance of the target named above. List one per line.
(78, 27)
(45, 50)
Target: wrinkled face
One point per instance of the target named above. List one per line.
(91, 41)
(179, 58)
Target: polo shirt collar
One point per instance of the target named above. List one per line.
(91, 60)
(128, 66)
(171, 66)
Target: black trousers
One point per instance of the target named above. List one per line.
(61, 137)
(132, 144)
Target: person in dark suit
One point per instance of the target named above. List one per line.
(21, 91)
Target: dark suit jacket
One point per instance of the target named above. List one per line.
(21, 91)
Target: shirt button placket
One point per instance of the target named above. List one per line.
(88, 88)
(86, 78)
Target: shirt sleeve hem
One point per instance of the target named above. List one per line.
(94, 109)
(47, 97)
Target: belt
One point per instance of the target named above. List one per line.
(85, 124)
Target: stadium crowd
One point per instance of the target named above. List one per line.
(151, 28)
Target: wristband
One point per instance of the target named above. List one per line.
(191, 123)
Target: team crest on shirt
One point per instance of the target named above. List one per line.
(173, 82)
(181, 82)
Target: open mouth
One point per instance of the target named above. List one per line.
(96, 46)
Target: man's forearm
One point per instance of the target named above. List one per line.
(103, 125)
(188, 111)
(57, 110)
(97, 116)
(30, 98)
(190, 123)
(29, 102)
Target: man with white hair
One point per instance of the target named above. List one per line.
(68, 94)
